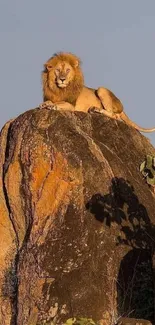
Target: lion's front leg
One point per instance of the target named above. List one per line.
(47, 105)
(65, 106)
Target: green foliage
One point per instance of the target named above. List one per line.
(80, 321)
(147, 168)
(75, 321)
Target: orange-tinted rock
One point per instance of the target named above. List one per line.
(77, 217)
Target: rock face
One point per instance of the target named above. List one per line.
(77, 220)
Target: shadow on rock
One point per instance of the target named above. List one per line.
(135, 287)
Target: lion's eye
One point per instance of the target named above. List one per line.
(68, 70)
(49, 67)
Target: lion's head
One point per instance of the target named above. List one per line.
(62, 78)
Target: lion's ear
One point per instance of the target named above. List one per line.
(76, 63)
(48, 66)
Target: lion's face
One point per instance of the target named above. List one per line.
(62, 78)
(62, 74)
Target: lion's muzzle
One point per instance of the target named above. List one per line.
(61, 82)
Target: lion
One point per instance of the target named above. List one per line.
(64, 89)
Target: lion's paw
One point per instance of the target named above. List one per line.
(94, 109)
(54, 108)
(48, 105)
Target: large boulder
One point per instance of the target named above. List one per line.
(77, 220)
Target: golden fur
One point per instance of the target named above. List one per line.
(63, 88)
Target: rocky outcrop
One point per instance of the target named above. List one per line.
(77, 220)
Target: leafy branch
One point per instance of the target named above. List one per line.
(147, 168)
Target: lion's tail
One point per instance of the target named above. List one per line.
(126, 119)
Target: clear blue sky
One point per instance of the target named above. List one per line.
(114, 38)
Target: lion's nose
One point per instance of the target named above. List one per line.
(62, 79)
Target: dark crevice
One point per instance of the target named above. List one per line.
(12, 282)
(14, 301)
(9, 210)
(24, 190)
(28, 211)
(5, 169)
(15, 283)
(9, 151)
(11, 278)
